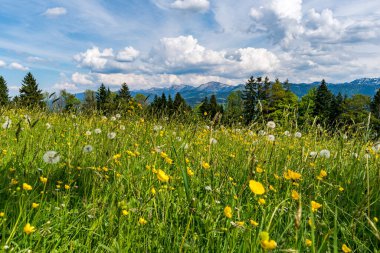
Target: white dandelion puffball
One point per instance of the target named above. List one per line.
(7, 124)
(367, 156)
(48, 126)
(376, 148)
(88, 133)
(111, 135)
(355, 155)
(104, 118)
(118, 116)
(178, 138)
(271, 124)
(271, 137)
(122, 127)
(287, 133)
(324, 153)
(157, 128)
(213, 141)
(313, 154)
(51, 157)
(88, 149)
(186, 146)
(261, 132)
(113, 118)
(298, 135)
(97, 131)
(208, 188)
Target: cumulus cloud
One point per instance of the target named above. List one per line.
(83, 79)
(65, 86)
(18, 66)
(94, 58)
(2, 64)
(128, 54)
(192, 5)
(55, 12)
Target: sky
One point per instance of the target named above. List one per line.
(77, 45)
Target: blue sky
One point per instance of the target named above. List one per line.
(77, 45)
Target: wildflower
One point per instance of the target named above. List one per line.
(213, 141)
(287, 133)
(14, 181)
(292, 175)
(122, 127)
(271, 124)
(161, 175)
(142, 221)
(43, 179)
(254, 223)
(67, 187)
(48, 126)
(27, 187)
(315, 206)
(298, 135)
(88, 133)
(2, 214)
(28, 229)
(375, 219)
(124, 212)
(118, 116)
(324, 153)
(113, 118)
(111, 135)
(266, 243)
(322, 174)
(7, 124)
(97, 131)
(153, 191)
(157, 128)
(261, 133)
(51, 157)
(341, 188)
(313, 154)
(256, 187)
(88, 149)
(259, 169)
(189, 172)
(295, 195)
(228, 212)
(168, 160)
(205, 165)
(271, 137)
(262, 201)
(35, 205)
(346, 249)
(240, 223)
(208, 188)
(308, 242)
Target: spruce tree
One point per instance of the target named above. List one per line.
(101, 97)
(30, 95)
(375, 104)
(323, 102)
(4, 92)
(250, 99)
(124, 95)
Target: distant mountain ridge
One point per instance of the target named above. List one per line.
(194, 95)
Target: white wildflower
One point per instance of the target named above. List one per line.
(104, 118)
(157, 128)
(271, 137)
(178, 138)
(118, 116)
(208, 188)
(48, 126)
(111, 135)
(97, 131)
(7, 124)
(213, 141)
(122, 127)
(88, 149)
(324, 153)
(51, 157)
(355, 154)
(271, 124)
(298, 135)
(113, 118)
(261, 132)
(88, 133)
(287, 133)
(313, 154)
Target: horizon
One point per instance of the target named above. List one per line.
(160, 43)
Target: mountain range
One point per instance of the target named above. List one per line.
(194, 95)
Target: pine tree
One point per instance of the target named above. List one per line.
(204, 108)
(4, 92)
(252, 94)
(30, 95)
(124, 96)
(375, 104)
(180, 104)
(101, 97)
(323, 102)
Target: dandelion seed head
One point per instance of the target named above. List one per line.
(213, 141)
(324, 153)
(97, 131)
(51, 157)
(271, 137)
(298, 135)
(271, 125)
(88, 149)
(88, 133)
(111, 135)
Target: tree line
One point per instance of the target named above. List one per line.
(260, 100)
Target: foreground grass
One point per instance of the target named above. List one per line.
(116, 198)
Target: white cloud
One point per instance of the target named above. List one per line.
(34, 59)
(128, 54)
(55, 12)
(18, 66)
(65, 86)
(291, 9)
(193, 5)
(2, 64)
(94, 58)
(83, 79)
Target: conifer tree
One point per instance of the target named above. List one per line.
(30, 95)
(251, 97)
(101, 97)
(375, 104)
(4, 92)
(124, 95)
(90, 103)
(323, 102)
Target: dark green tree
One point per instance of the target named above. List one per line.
(89, 103)
(234, 109)
(30, 95)
(123, 97)
(4, 92)
(101, 97)
(254, 94)
(375, 104)
(70, 102)
(323, 103)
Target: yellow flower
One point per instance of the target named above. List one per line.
(43, 179)
(315, 206)
(35, 205)
(341, 188)
(261, 201)
(189, 172)
(161, 175)
(2, 214)
(375, 219)
(256, 187)
(168, 160)
(254, 223)
(259, 169)
(124, 212)
(228, 212)
(67, 187)
(346, 249)
(240, 223)
(295, 195)
(28, 229)
(266, 243)
(308, 242)
(142, 221)
(205, 165)
(14, 181)
(163, 155)
(322, 174)
(153, 191)
(292, 175)
(272, 188)
(27, 187)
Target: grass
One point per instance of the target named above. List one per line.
(92, 202)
